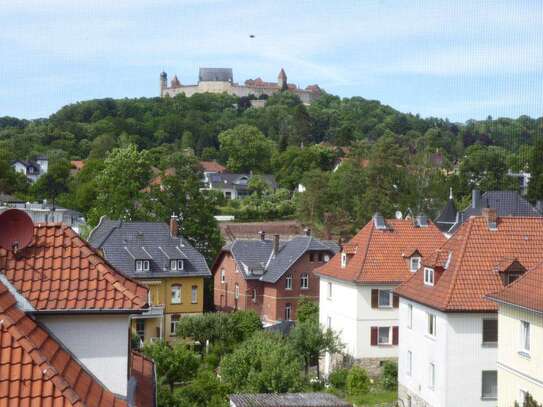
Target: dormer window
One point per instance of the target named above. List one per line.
(414, 263)
(142, 266)
(344, 260)
(176, 265)
(428, 276)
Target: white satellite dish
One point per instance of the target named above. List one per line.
(399, 215)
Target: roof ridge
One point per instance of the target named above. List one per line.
(454, 277)
(372, 227)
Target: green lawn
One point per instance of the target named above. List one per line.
(376, 397)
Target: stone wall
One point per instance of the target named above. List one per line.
(403, 398)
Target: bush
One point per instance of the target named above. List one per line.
(390, 375)
(358, 382)
(338, 378)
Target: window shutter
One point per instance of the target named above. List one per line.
(374, 298)
(395, 300)
(395, 333)
(374, 332)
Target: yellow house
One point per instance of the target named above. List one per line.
(154, 254)
(520, 339)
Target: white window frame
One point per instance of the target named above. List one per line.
(173, 323)
(236, 291)
(525, 334)
(411, 260)
(329, 291)
(176, 264)
(223, 276)
(429, 276)
(432, 322)
(389, 329)
(194, 294)
(288, 312)
(176, 288)
(139, 266)
(432, 376)
(390, 299)
(409, 371)
(288, 282)
(304, 281)
(254, 295)
(343, 260)
(410, 316)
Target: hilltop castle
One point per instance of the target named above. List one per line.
(219, 80)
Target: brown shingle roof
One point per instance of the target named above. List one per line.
(380, 256)
(477, 254)
(35, 370)
(59, 271)
(526, 292)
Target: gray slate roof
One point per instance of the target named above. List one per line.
(256, 261)
(287, 400)
(124, 242)
(506, 203)
(215, 75)
(237, 181)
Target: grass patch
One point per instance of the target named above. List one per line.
(375, 397)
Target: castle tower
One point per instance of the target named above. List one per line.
(163, 81)
(282, 80)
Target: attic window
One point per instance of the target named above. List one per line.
(142, 265)
(344, 260)
(414, 263)
(176, 264)
(379, 221)
(428, 276)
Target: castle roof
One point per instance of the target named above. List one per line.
(215, 75)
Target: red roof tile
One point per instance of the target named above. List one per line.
(35, 370)
(143, 369)
(380, 256)
(59, 271)
(476, 256)
(526, 291)
(212, 166)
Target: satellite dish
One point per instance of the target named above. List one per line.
(398, 215)
(16, 230)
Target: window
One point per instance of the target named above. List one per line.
(428, 276)
(414, 263)
(142, 265)
(431, 324)
(321, 256)
(194, 294)
(173, 324)
(326, 258)
(236, 292)
(384, 336)
(176, 264)
(410, 316)
(409, 363)
(329, 322)
(176, 294)
(140, 329)
(510, 277)
(525, 337)
(288, 282)
(490, 331)
(432, 376)
(304, 281)
(254, 295)
(343, 259)
(288, 310)
(385, 298)
(311, 257)
(329, 291)
(223, 276)
(490, 385)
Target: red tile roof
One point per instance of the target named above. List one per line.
(526, 291)
(381, 256)
(35, 370)
(477, 256)
(143, 369)
(60, 271)
(212, 166)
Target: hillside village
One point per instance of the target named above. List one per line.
(201, 249)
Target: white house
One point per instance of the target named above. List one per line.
(356, 286)
(32, 169)
(520, 349)
(448, 351)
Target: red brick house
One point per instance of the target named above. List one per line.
(269, 276)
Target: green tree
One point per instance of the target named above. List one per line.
(206, 390)
(265, 363)
(535, 165)
(358, 382)
(53, 183)
(307, 310)
(247, 149)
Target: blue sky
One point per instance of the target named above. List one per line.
(454, 59)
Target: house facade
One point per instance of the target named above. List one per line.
(269, 276)
(32, 169)
(356, 286)
(448, 351)
(155, 255)
(233, 186)
(520, 348)
(65, 315)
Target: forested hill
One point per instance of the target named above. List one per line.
(395, 161)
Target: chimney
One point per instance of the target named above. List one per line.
(475, 199)
(491, 216)
(174, 227)
(275, 247)
(262, 235)
(307, 231)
